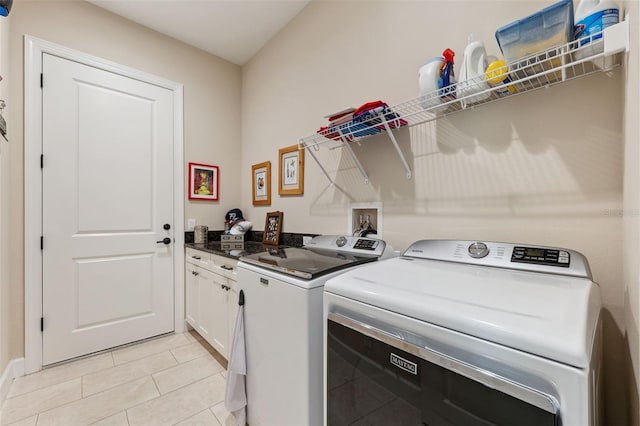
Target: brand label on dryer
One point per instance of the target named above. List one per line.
(404, 364)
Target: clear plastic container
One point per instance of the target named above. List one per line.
(550, 27)
(200, 234)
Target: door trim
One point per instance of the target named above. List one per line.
(34, 49)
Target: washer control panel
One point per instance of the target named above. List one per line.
(366, 244)
(541, 256)
(551, 260)
(348, 244)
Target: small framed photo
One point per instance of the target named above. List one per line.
(261, 186)
(272, 227)
(203, 182)
(291, 171)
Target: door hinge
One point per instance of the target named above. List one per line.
(42, 161)
(41, 80)
(41, 242)
(41, 323)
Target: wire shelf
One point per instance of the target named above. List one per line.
(594, 54)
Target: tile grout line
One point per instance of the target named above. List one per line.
(62, 381)
(52, 408)
(119, 384)
(154, 353)
(92, 395)
(152, 374)
(181, 387)
(156, 385)
(114, 365)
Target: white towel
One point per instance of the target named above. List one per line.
(235, 399)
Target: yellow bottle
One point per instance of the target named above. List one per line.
(497, 73)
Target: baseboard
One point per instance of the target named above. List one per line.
(14, 369)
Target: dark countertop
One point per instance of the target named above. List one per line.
(249, 247)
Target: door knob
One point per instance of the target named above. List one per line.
(166, 226)
(165, 240)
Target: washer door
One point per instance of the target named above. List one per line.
(374, 378)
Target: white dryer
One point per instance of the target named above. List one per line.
(465, 333)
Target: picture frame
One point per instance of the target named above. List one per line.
(204, 182)
(291, 170)
(261, 184)
(272, 228)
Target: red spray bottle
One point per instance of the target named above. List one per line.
(447, 79)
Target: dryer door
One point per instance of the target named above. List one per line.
(374, 378)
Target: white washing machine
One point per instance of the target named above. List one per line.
(283, 324)
(465, 333)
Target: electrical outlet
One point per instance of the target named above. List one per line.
(306, 239)
(191, 224)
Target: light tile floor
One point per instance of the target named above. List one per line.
(173, 380)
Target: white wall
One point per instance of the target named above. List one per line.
(211, 109)
(5, 305)
(631, 215)
(543, 168)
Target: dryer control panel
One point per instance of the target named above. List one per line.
(541, 256)
(503, 255)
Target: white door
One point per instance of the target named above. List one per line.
(107, 195)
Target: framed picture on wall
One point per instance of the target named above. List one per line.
(203, 182)
(272, 227)
(291, 171)
(261, 186)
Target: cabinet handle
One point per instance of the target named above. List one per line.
(228, 268)
(196, 257)
(224, 287)
(196, 273)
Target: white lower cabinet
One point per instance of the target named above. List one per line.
(191, 297)
(212, 299)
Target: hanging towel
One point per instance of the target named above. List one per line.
(235, 399)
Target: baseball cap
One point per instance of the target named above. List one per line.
(233, 215)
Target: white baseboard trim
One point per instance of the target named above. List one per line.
(14, 369)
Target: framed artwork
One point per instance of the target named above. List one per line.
(272, 227)
(291, 171)
(261, 186)
(203, 182)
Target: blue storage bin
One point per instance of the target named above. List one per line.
(359, 129)
(550, 27)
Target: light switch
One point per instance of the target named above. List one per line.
(191, 224)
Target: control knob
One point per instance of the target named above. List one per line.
(478, 250)
(341, 241)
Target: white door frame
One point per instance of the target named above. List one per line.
(34, 49)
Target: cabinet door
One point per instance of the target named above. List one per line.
(232, 313)
(191, 296)
(213, 310)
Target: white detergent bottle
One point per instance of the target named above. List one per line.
(592, 17)
(471, 78)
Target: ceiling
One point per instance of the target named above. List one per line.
(231, 29)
